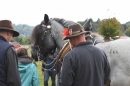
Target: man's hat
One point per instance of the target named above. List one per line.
(74, 30)
(7, 25)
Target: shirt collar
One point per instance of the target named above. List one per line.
(84, 43)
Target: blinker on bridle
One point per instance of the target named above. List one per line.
(48, 29)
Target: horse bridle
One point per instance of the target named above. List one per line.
(48, 29)
(38, 54)
(37, 48)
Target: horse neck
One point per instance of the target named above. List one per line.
(98, 38)
(60, 24)
(59, 40)
(95, 38)
(57, 33)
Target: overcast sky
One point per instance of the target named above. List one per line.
(32, 12)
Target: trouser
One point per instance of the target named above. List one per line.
(58, 80)
(47, 74)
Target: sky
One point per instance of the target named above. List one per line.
(31, 12)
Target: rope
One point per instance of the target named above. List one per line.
(50, 68)
(49, 63)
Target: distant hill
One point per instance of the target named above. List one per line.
(128, 24)
(26, 30)
(23, 29)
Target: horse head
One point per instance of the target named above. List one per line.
(42, 39)
(94, 37)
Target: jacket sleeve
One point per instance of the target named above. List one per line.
(67, 71)
(106, 70)
(13, 77)
(35, 78)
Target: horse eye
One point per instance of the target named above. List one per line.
(45, 32)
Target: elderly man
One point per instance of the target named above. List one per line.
(85, 64)
(9, 75)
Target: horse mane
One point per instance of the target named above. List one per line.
(35, 34)
(63, 22)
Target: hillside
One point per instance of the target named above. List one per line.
(26, 30)
(23, 29)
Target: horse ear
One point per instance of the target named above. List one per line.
(87, 25)
(46, 19)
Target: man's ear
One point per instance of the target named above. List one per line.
(8, 33)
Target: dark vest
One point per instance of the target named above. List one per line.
(4, 45)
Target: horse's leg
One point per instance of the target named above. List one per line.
(108, 83)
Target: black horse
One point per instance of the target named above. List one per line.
(47, 36)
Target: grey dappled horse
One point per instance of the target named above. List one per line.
(119, 58)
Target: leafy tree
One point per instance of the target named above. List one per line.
(23, 29)
(109, 28)
(82, 22)
(17, 39)
(123, 28)
(127, 32)
(22, 39)
(127, 24)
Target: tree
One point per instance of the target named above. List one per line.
(22, 39)
(109, 28)
(127, 32)
(82, 22)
